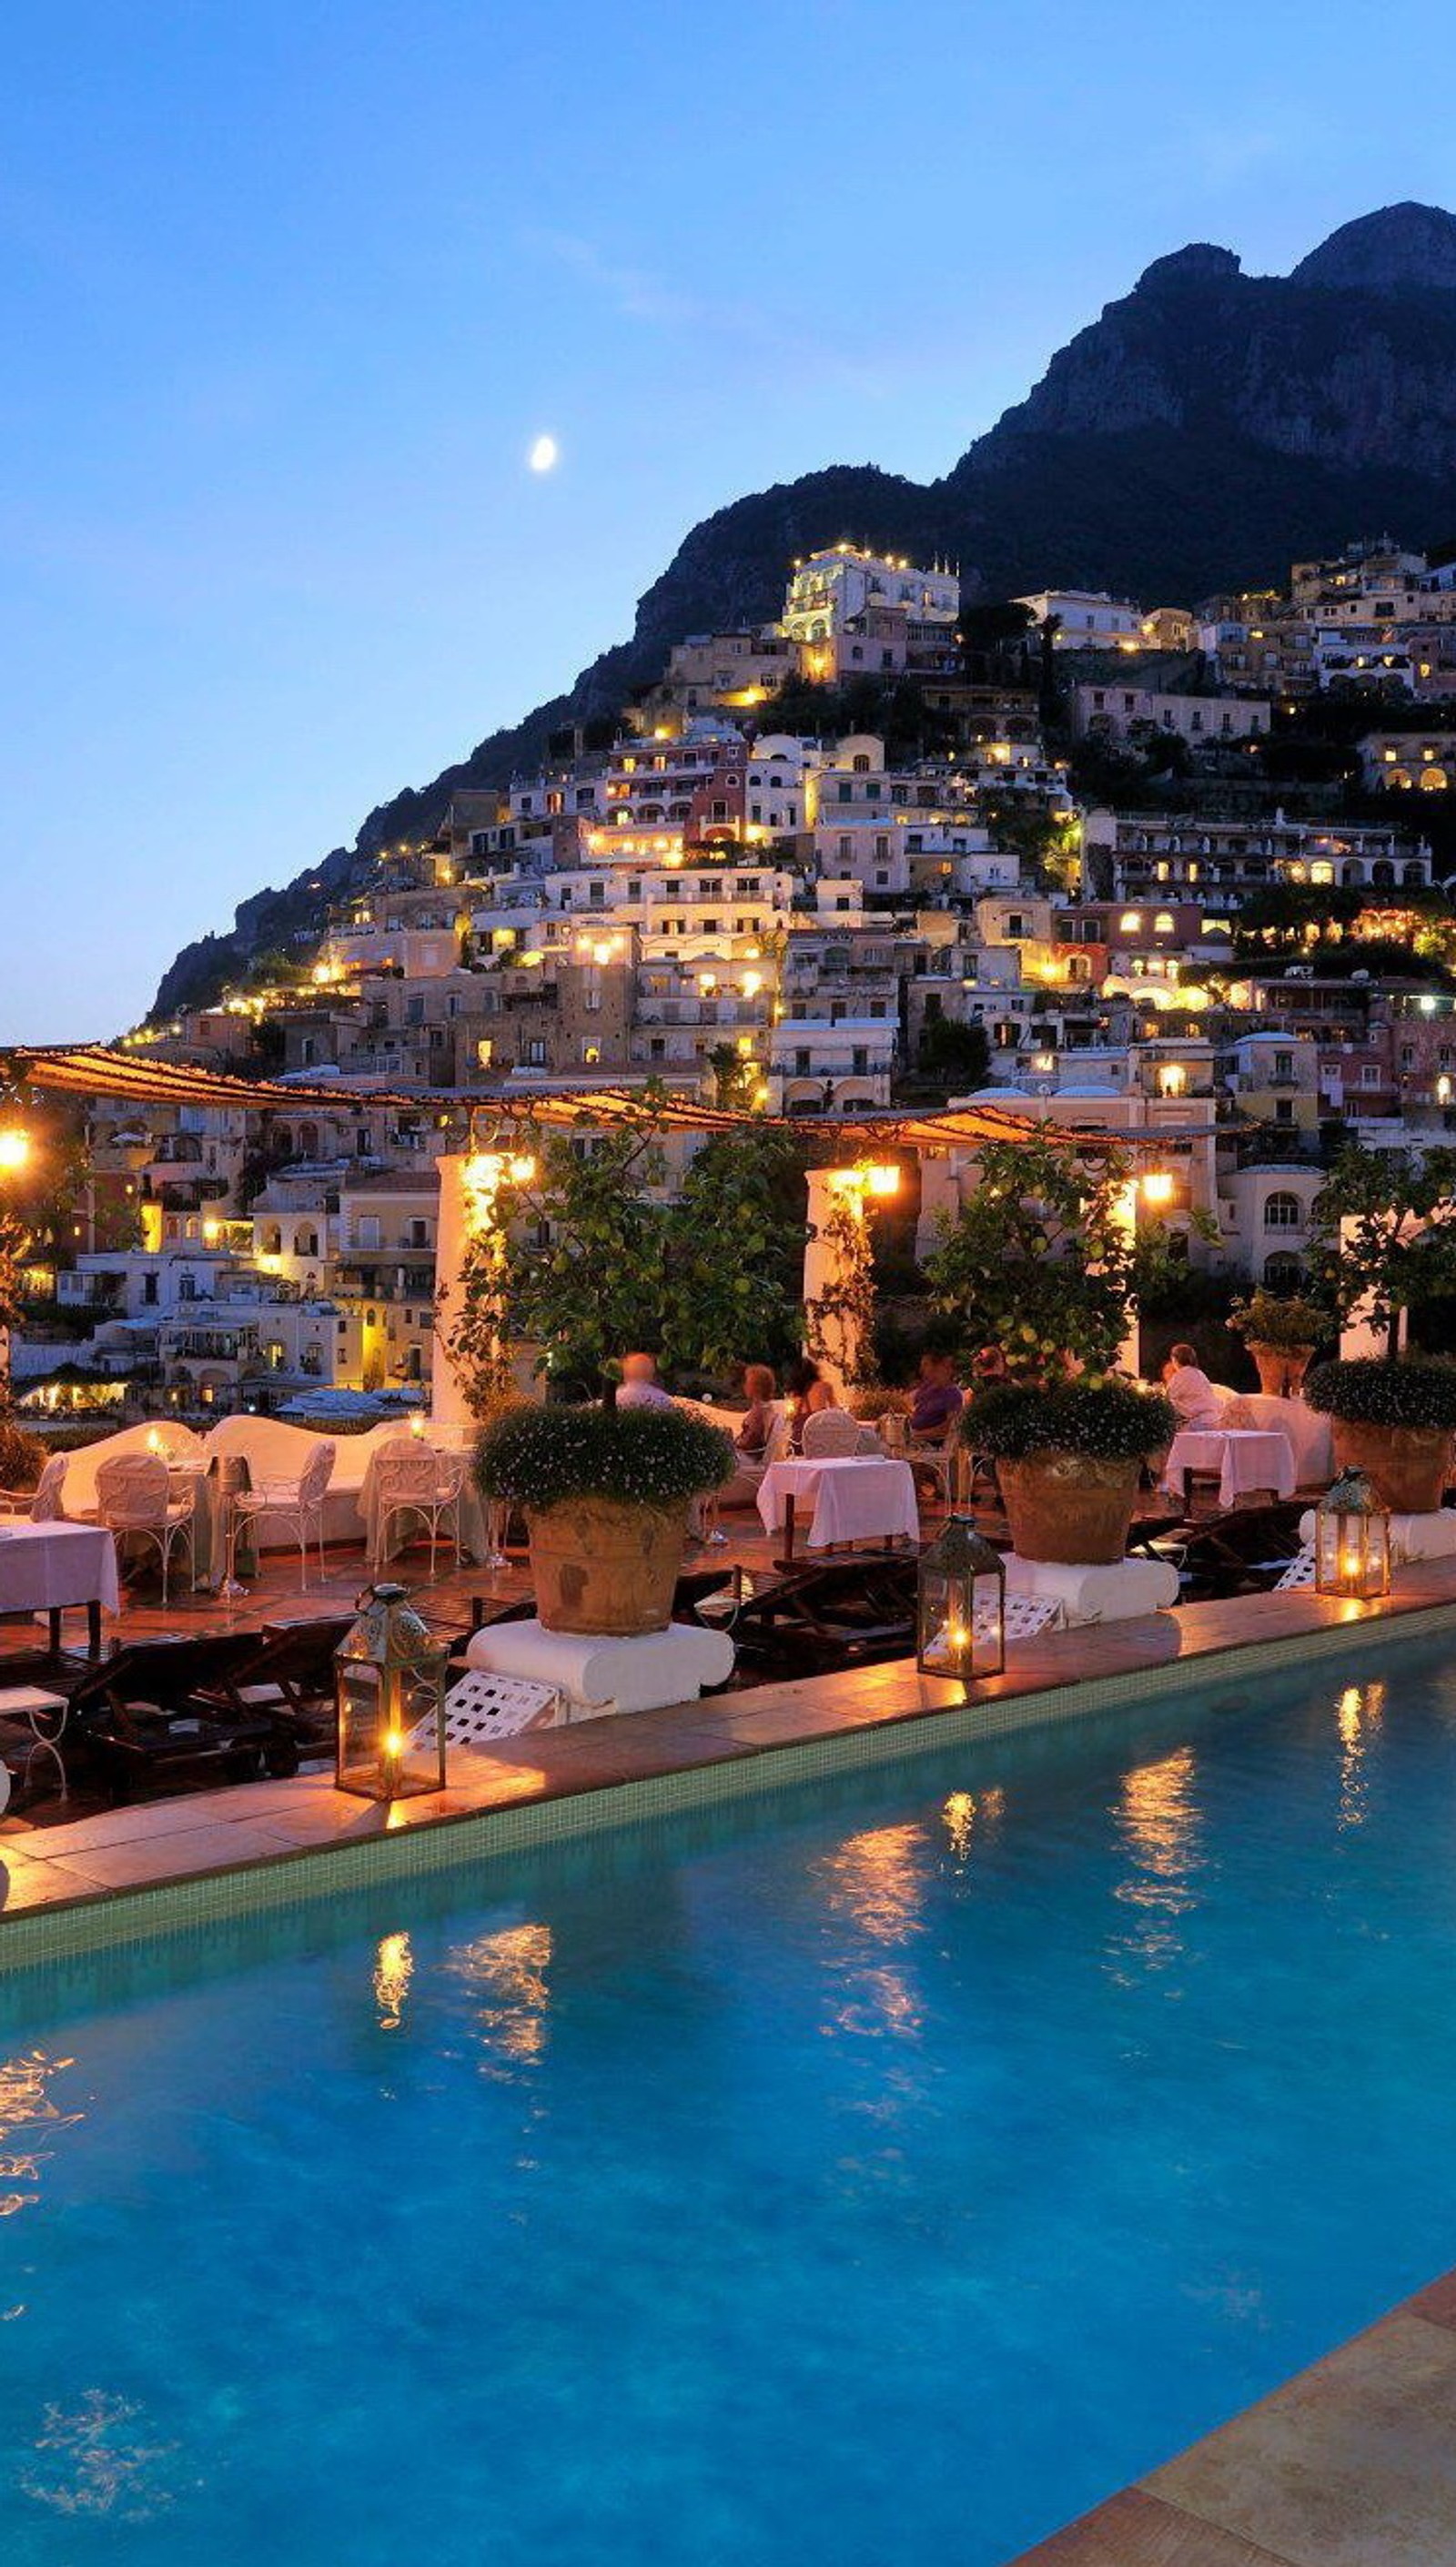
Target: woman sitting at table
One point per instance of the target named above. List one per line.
(754, 1437)
(807, 1394)
(1190, 1390)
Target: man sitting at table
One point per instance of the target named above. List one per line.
(1190, 1390)
(639, 1386)
(937, 1400)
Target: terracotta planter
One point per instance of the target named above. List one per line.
(598, 1566)
(1407, 1466)
(1280, 1368)
(1067, 1506)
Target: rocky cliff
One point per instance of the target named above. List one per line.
(1204, 430)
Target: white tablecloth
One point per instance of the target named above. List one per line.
(1244, 1459)
(854, 1500)
(45, 1565)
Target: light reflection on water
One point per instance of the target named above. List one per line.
(394, 1968)
(1158, 1821)
(28, 2113)
(877, 1880)
(1358, 1714)
(507, 1976)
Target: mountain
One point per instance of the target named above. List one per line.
(1206, 429)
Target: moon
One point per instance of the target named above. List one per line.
(545, 456)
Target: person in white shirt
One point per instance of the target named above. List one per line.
(1189, 1388)
(639, 1386)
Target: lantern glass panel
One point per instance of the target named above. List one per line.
(960, 1605)
(1352, 1541)
(390, 1694)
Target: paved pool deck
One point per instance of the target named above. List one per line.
(195, 1835)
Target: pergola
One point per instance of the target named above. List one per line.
(101, 1069)
(136, 1075)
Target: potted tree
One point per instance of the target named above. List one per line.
(1067, 1457)
(1281, 1331)
(1043, 1262)
(606, 1494)
(1387, 1245)
(1394, 1420)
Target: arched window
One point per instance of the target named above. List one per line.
(1283, 1273)
(1282, 1212)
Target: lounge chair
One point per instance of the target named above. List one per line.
(150, 1715)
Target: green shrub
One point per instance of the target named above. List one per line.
(1370, 1390)
(1283, 1320)
(1106, 1421)
(540, 1457)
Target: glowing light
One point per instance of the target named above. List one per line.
(1157, 1186)
(14, 1149)
(544, 454)
(394, 1968)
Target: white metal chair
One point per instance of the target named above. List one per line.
(44, 1715)
(830, 1435)
(420, 1483)
(937, 1459)
(135, 1502)
(1025, 1616)
(299, 1503)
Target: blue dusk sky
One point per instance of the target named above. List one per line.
(291, 286)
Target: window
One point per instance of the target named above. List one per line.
(370, 1233)
(418, 1234)
(1282, 1212)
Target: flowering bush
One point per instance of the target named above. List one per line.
(1108, 1421)
(641, 1457)
(1370, 1390)
(1283, 1320)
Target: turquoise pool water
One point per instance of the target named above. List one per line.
(879, 2172)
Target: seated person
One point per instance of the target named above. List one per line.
(938, 1401)
(639, 1386)
(760, 1418)
(988, 1366)
(1190, 1390)
(808, 1395)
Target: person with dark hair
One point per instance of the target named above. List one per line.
(806, 1394)
(938, 1401)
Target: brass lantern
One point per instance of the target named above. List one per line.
(389, 1685)
(961, 1599)
(1351, 1540)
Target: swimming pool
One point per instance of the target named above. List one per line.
(885, 2169)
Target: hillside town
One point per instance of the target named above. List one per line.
(1159, 871)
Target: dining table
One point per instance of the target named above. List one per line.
(854, 1498)
(44, 1568)
(1245, 1457)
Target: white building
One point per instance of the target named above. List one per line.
(1087, 618)
(843, 582)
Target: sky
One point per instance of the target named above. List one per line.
(289, 289)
